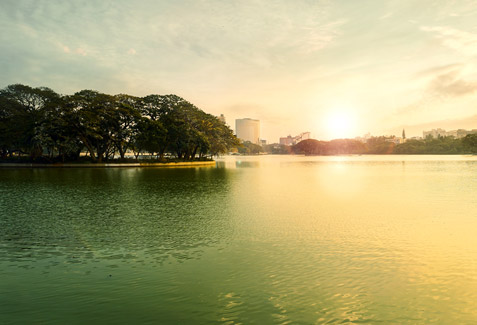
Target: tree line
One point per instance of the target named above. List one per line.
(46, 126)
(382, 145)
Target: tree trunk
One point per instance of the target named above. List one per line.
(121, 151)
(161, 153)
(99, 154)
(89, 147)
(194, 152)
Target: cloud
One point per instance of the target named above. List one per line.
(458, 40)
(450, 84)
(80, 51)
(451, 80)
(435, 71)
(386, 16)
(440, 84)
(319, 37)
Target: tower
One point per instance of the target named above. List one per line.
(248, 129)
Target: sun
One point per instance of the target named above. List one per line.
(340, 124)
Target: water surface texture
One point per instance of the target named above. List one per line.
(255, 240)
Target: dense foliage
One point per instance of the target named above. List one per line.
(249, 148)
(333, 147)
(277, 149)
(382, 145)
(430, 145)
(46, 126)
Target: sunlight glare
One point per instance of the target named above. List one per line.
(340, 124)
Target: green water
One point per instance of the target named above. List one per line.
(263, 240)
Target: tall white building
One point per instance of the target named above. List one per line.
(248, 129)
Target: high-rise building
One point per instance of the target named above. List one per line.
(248, 129)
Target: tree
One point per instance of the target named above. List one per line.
(250, 148)
(23, 110)
(150, 137)
(470, 143)
(277, 149)
(379, 145)
(310, 147)
(126, 117)
(41, 123)
(94, 121)
(220, 137)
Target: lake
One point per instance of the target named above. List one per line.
(254, 240)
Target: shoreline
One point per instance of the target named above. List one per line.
(111, 165)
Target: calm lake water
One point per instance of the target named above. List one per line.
(255, 240)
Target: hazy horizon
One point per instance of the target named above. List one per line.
(336, 69)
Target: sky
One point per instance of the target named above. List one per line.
(334, 68)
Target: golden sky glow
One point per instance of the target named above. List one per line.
(340, 123)
(396, 64)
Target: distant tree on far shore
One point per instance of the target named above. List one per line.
(249, 148)
(470, 143)
(385, 145)
(277, 149)
(333, 147)
(431, 145)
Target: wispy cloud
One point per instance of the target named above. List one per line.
(448, 80)
(450, 84)
(440, 84)
(438, 70)
(458, 40)
(79, 51)
(386, 16)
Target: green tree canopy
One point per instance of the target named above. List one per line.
(41, 123)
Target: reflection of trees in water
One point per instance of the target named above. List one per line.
(83, 214)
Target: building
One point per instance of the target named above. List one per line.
(248, 129)
(289, 140)
(222, 118)
(395, 140)
(435, 133)
(458, 134)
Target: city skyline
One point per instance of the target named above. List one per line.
(336, 69)
(288, 139)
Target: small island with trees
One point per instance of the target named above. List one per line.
(41, 126)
